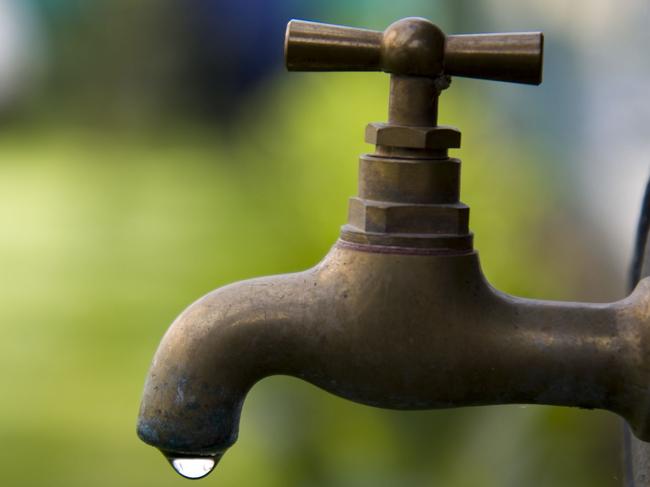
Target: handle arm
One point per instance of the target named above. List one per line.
(414, 46)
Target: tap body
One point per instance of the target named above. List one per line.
(398, 314)
(392, 330)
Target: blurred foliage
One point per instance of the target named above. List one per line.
(108, 235)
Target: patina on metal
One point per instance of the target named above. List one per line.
(398, 314)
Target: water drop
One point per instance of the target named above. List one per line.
(195, 467)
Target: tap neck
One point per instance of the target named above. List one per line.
(409, 187)
(413, 100)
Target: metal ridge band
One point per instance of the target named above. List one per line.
(390, 249)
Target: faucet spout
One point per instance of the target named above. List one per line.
(211, 356)
(410, 330)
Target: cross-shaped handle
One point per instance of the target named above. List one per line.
(414, 46)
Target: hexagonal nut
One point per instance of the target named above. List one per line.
(439, 137)
(384, 217)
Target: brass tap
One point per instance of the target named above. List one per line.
(398, 314)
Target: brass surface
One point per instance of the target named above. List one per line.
(409, 187)
(500, 57)
(398, 314)
(414, 46)
(418, 137)
(409, 191)
(394, 331)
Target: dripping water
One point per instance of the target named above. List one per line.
(192, 466)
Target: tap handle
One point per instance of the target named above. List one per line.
(515, 57)
(414, 46)
(312, 46)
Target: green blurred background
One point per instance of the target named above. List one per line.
(151, 151)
